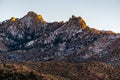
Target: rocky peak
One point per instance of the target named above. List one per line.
(77, 21)
(34, 16)
(32, 20)
(31, 13)
(13, 19)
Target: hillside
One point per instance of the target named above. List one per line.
(58, 71)
(13, 71)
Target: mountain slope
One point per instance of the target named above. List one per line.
(58, 71)
(71, 41)
(12, 71)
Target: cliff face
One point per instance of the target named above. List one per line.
(31, 38)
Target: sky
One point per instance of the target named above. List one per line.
(99, 14)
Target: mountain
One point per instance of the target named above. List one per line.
(34, 49)
(31, 38)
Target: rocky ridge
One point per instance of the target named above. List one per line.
(31, 38)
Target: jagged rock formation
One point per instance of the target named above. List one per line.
(31, 38)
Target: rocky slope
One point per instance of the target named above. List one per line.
(31, 38)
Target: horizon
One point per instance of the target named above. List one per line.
(102, 15)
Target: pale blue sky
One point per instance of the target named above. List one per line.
(100, 14)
